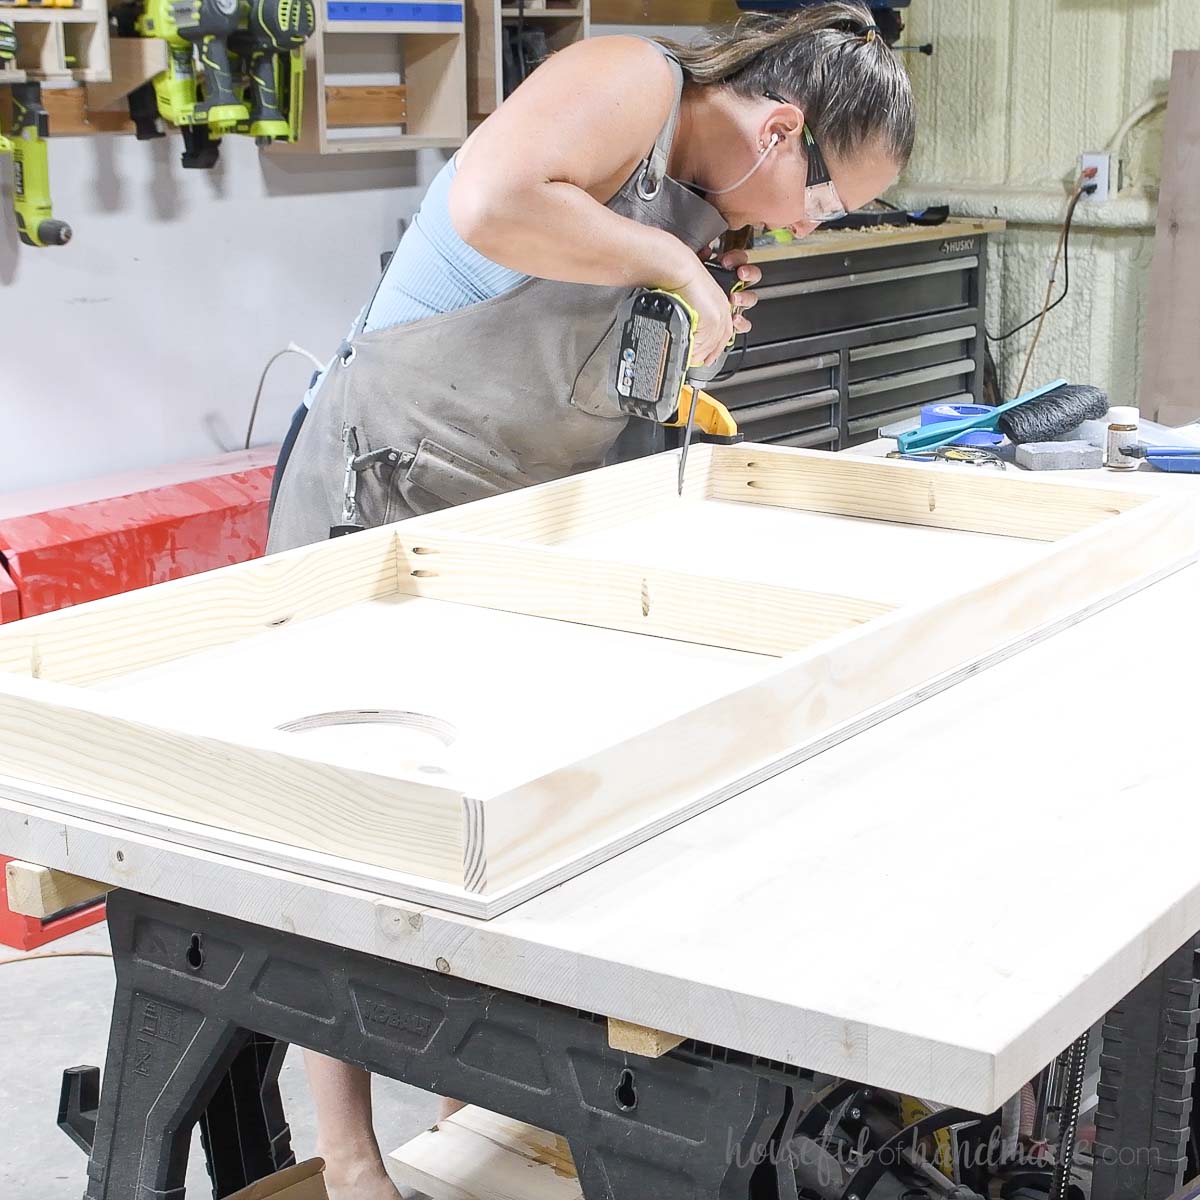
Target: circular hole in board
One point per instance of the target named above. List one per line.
(411, 735)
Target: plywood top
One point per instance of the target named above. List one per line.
(897, 564)
(491, 697)
(870, 913)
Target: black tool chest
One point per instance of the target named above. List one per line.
(846, 341)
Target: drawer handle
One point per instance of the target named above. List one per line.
(887, 383)
(806, 287)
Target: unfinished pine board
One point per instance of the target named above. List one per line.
(468, 708)
(684, 933)
(846, 241)
(478, 1155)
(365, 104)
(640, 1039)
(35, 891)
(1169, 391)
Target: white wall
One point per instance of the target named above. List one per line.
(1014, 92)
(141, 341)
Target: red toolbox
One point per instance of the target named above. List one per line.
(81, 541)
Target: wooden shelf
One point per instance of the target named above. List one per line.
(68, 44)
(378, 86)
(486, 21)
(385, 144)
(663, 12)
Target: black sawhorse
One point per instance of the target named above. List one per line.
(206, 1005)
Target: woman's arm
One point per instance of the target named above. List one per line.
(533, 181)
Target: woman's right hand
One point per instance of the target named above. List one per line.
(714, 329)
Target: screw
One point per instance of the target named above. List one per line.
(855, 1115)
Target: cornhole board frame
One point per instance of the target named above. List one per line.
(832, 665)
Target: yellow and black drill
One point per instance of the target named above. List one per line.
(31, 171)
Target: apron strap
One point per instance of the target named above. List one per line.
(654, 171)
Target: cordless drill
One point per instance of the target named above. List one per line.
(275, 37)
(31, 171)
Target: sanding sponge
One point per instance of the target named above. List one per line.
(1059, 456)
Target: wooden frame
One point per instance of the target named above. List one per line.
(805, 668)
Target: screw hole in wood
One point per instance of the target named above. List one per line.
(424, 574)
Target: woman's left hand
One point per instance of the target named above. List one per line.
(735, 260)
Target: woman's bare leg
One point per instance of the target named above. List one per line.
(341, 1094)
(354, 1168)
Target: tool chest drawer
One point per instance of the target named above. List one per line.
(844, 343)
(775, 381)
(793, 414)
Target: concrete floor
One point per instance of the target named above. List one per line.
(54, 1014)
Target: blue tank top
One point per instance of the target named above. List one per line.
(432, 270)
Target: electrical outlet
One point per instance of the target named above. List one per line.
(1102, 179)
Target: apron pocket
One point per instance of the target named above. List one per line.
(447, 478)
(591, 392)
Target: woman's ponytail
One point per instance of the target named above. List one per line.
(828, 60)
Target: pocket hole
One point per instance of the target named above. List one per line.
(424, 574)
(626, 1093)
(754, 483)
(423, 550)
(195, 953)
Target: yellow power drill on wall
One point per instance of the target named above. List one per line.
(26, 142)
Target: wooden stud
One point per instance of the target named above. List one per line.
(912, 493)
(542, 582)
(641, 1039)
(130, 632)
(478, 1155)
(1169, 391)
(348, 107)
(42, 892)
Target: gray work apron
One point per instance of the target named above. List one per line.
(499, 395)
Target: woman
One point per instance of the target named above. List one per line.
(482, 362)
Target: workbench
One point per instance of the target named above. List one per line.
(876, 913)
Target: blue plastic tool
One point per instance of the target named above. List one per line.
(1174, 458)
(929, 437)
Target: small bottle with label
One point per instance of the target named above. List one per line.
(1122, 436)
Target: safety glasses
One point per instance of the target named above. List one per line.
(821, 200)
